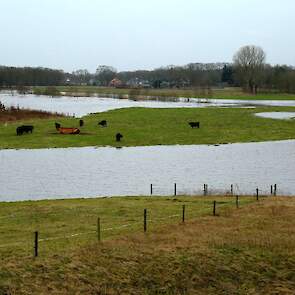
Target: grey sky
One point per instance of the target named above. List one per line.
(142, 34)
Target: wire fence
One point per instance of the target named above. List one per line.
(206, 190)
(150, 220)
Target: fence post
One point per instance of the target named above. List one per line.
(36, 244)
(98, 230)
(183, 213)
(151, 189)
(237, 202)
(271, 190)
(144, 220)
(175, 193)
(214, 208)
(257, 194)
(275, 190)
(205, 189)
(231, 189)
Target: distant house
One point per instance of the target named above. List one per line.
(117, 83)
(165, 84)
(139, 83)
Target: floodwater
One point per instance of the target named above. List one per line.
(277, 115)
(94, 172)
(81, 106)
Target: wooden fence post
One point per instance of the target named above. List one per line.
(183, 213)
(144, 220)
(151, 189)
(271, 190)
(275, 190)
(231, 189)
(237, 202)
(175, 193)
(214, 208)
(36, 244)
(257, 194)
(98, 230)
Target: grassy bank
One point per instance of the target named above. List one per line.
(242, 251)
(141, 127)
(226, 93)
(15, 114)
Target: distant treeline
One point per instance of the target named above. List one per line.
(16, 76)
(272, 78)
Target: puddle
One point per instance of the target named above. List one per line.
(277, 115)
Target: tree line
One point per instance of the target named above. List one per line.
(248, 70)
(28, 76)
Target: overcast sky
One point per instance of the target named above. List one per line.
(142, 34)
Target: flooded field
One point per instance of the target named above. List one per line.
(92, 172)
(81, 106)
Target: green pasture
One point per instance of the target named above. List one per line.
(146, 127)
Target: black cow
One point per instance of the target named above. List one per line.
(119, 136)
(24, 129)
(103, 123)
(19, 130)
(81, 123)
(57, 126)
(194, 124)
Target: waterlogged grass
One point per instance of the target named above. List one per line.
(143, 127)
(249, 250)
(226, 93)
(69, 223)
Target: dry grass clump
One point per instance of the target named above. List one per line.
(16, 114)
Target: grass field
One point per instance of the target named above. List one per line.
(226, 93)
(249, 250)
(120, 215)
(142, 127)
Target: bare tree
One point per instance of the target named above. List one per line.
(81, 76)
(105, 74)
(249, 64)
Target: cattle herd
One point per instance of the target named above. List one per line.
(73, 130)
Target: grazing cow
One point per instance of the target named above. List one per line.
(57, 126)
(194, 124)
(24, 129)
(19, 130)
(103, 123)
(118, 136)
(28, 128)
(81, 123)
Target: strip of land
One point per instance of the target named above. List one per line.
(225, 93)
(146, 127)
(249, 250)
